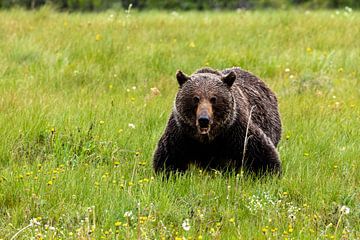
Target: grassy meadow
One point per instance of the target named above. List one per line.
(84, 98)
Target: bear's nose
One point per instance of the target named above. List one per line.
(204, 121)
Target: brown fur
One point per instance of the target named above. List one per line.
(225, 99)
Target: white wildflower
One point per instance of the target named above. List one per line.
(186, 225)
(292, 217)
(34, 222)
(344, 210)
(131, 125)
(128, 214)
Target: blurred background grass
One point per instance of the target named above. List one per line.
(99, 5)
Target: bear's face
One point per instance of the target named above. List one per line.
(205, 103)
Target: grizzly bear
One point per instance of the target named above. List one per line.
(221, 120)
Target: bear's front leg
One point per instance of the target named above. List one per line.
(168, 158)
(262, 156)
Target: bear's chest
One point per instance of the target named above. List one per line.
(214, 156)
(216, 149)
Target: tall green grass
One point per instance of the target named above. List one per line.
(79, 123)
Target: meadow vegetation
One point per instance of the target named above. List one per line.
(85, 97)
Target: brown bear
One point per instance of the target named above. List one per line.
(222, 120)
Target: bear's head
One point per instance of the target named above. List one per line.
(205, 103)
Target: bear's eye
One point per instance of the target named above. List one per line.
(213, 100)
(196, 99)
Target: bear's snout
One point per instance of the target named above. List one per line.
(204, 117)
(204, 121)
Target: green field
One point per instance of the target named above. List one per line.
(84, 98)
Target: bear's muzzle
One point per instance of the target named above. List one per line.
(204, 117)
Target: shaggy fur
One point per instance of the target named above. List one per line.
(226, 98)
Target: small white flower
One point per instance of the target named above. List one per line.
(131, 125)
(128, 214)
(34, 222)
(292, 217)
(287, 70)
(186, 225)
(133, 88)
(344, 210)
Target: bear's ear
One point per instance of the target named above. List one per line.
(229, 78)
(181, 77)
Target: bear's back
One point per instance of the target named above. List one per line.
(265, 113)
